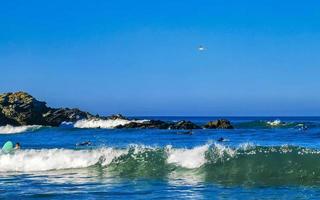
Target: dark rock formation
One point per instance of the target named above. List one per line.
(117, 116)
(157, 124)
(56, 116)
(184, 125)
(220, 124)
(4, 120)
(20, 108)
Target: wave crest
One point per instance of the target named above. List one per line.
(101, 123)
(8, 129)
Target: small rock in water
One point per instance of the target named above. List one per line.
(184, 125)
(219, 124)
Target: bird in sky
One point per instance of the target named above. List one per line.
(202, 48)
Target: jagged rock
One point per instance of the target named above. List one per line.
(157, 124)
(117, 116)
(4, 121)
(184, 125)
(56, 116)
(219, 124)
(20, 108)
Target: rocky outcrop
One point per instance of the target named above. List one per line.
(184, 125)
(4, 120)
(20, 108)
(117, 116)
(54, 117)
(219, 124)
(158, 124)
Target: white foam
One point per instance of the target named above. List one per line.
(274, 123)
(54, 159)
(188, 158)
(66, 124)
(100, 123)
(8, 129)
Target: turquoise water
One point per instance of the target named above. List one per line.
(262, 158)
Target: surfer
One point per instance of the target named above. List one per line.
(17, 146)
(86, 143)
(202, 48)
(8, 147)
(222, 140)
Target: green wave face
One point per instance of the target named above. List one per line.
(256, 166)
(266, 166)
(260, 124)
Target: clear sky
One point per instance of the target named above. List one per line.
(141, 57)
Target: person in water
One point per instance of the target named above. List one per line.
(17, 146)
(222, 140)
(86, 143)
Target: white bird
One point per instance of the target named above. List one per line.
(202, 48)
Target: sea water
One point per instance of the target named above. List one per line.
(262, 158)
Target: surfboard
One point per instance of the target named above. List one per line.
(7, 147)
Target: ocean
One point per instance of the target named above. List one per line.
(262, 158)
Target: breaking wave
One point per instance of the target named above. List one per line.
(100, 123)
(276, 124)
(54, 159)
(245, 164)
(8, 129)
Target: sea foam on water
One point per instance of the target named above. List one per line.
(100, 123)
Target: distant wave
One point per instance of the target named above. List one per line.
(8, 129)
(100, 123)
(276, 124)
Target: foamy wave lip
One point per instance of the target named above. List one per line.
(55, 159)
(101, 123)
(274, 123)
(188, 158)
(8, 129)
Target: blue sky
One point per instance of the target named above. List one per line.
(141, 57)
